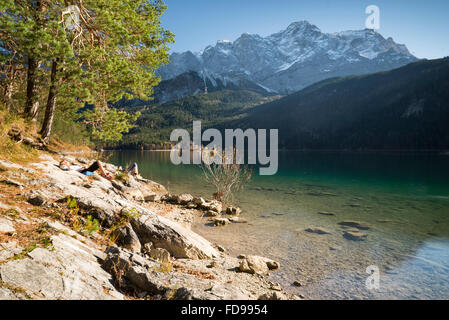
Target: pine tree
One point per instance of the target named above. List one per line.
(109, 51)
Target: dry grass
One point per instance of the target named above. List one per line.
(11, 150)
(15, 289)
(197, 274)
(20, 153)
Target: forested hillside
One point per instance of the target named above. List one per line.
(406, 108)
(214, 110)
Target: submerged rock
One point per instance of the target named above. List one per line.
(219, 222)
(355, 224)
(297, 283)
(317, 230)
(355, 236)
(233, 211)
(325, 213)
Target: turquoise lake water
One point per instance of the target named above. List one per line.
(401, 198)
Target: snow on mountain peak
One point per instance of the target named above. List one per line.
(292, 58)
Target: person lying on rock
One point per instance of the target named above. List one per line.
(96, 166)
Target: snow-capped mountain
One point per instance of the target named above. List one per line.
(291, 59)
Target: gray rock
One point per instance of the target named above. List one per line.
(184, 199)
(200, 202)
(147, 248)
(166, 234)
(233, 211)
(213, 205)
(273, 296)
(36, 201)
(6, 226)
(39, 279)
(128, 239)
(133, 193)
(69, 271)
(297, 284)
(153, 197)
(258, 265)
(9, 250)
(6, 294)
(211, 213)
(220, 222)
(160, 255)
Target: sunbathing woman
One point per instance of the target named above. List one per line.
(97, 165)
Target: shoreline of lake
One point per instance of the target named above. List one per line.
(391, 199)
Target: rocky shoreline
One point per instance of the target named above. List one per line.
(64, 235)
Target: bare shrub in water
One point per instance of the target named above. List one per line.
(227, 178)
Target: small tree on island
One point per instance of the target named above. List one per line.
(226, 175)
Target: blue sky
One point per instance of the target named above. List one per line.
(421, 25)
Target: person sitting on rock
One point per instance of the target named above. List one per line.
(133, 170)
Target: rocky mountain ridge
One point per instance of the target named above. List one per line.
(289, 60)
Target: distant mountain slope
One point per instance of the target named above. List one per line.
(290, 60)
(158, 120)
(407, 108)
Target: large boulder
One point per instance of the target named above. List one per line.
(258, 265)
(184, 199)
(128, 239)
(147, 276)
(213, 205)
(148, 187)
(69, 271)
(177, 240)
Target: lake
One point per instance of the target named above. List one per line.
(397, 202)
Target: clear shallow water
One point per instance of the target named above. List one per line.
(403, 198)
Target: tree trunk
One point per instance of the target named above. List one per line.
(51, 104)
(8, 95)
(32, 102)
